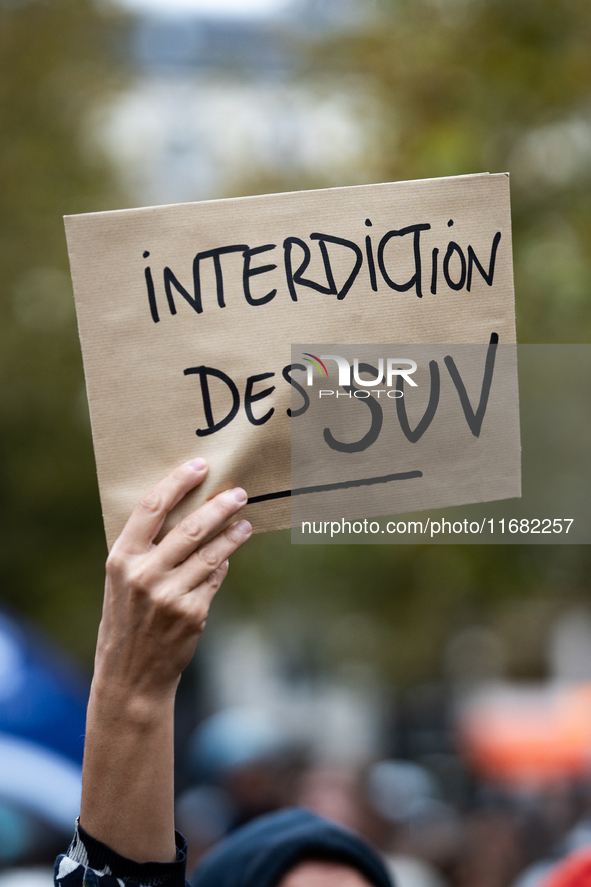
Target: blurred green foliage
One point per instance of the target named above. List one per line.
(465, 86)
(455, 86)
(395, 607)
(55, 64)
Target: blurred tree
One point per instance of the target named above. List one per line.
(56, 61)
(456, 87)
(464, 86)
(395, 607)
(459, 86)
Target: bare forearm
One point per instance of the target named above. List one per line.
(128, 788)
(156, 602)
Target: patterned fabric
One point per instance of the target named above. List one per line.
(89, 863)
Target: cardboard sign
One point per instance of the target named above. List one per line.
(187, 315)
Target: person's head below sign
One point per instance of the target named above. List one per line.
(292, 848)
(157, 597)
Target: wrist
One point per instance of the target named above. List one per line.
(138, 704)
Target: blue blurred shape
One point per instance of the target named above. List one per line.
(39, 781)
(43, 696)
(234, 737)
(15, 837)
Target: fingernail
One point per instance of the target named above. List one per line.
(198, 464)
(244, 527)
(239, 495)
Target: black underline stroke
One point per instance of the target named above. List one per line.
(343, 485)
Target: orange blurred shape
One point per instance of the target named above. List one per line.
(526, 735)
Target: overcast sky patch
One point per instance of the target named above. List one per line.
(242, 8)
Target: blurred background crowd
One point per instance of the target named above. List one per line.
(437, 698)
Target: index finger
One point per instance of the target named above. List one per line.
(150, 513)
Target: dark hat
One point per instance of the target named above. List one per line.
(260, 853)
